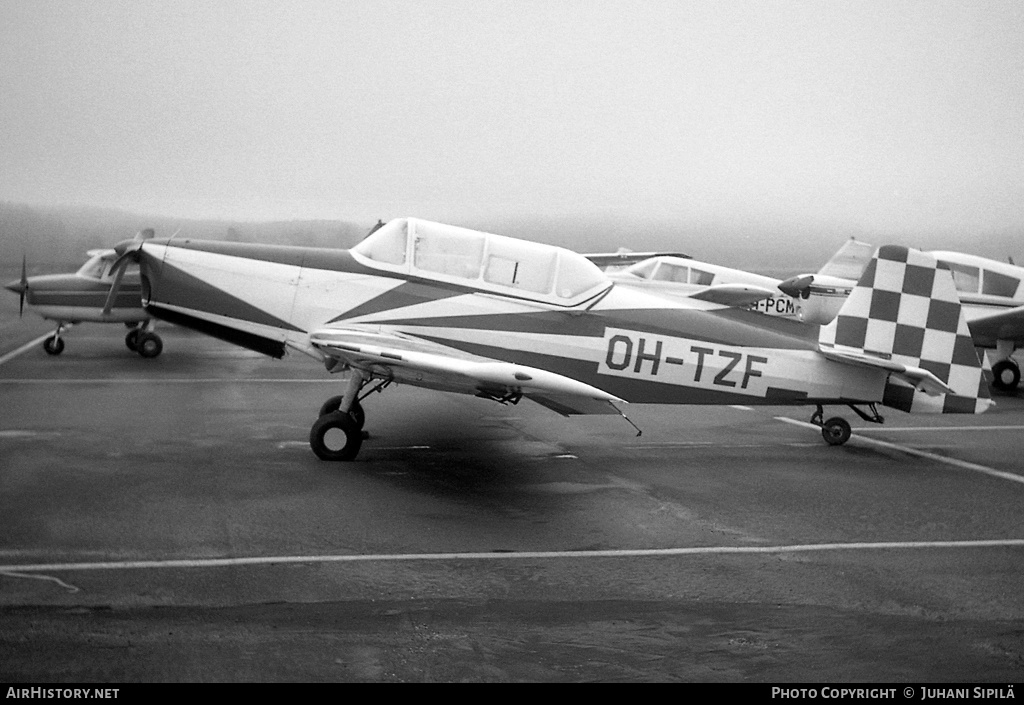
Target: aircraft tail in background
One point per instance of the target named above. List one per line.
(904, 315)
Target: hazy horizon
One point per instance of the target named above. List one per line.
(785, 122)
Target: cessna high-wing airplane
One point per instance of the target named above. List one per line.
(464, 311)
(85, 296)
(990, 291)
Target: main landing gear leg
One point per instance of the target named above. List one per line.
(836, 431)
(54, 345)
(337, 434)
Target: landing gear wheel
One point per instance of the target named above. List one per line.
(335, 436)
(53, 345)
(836, 431)
(356, 411)
(148, 344)
(1005, 375)
(132, 340)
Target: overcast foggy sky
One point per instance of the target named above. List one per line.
(887, 117)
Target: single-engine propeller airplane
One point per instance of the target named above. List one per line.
(85, 296)
(816, 301)
(990, 291)
(459, 310)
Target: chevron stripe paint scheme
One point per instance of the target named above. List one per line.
(396, 322)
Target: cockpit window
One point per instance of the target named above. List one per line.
(703, 278)
(996, 284)
(966, 279)
(93, 268)
(387, 244)
(672, 273)
(447, 250)
(520, 265)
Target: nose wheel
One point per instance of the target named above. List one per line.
(54, 345)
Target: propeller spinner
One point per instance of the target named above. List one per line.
(799, 286)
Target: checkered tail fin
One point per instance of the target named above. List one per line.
(904, 316)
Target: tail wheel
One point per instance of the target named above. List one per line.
(53, 345)
(356, 411)
(148, 344)
(1005, 375)
(132, 340)
(335, 436)
(836, 431)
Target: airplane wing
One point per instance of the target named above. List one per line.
(916, 376)
(735, 295)
(625, 258)
(1007, 324)
(849, 260)
(424, 363)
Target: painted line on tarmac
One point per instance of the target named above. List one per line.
(507, 555)
(920, 453)
(940, 429)
(157, 380)
(24, 348)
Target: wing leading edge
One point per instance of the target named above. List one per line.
(423, 363)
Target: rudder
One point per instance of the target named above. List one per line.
(905, 310)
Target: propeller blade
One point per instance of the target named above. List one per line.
(120, 264)
(797, 286)
(24, 287)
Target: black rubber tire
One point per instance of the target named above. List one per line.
(356, 412)
(335, 421)
(53, 345)
(836, 431)
(131, 339)
(148, 344)
(1005, 375)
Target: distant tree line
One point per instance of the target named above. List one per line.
(60, 236)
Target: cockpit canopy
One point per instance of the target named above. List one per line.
(483, 260)
(671, 269)
(99, 264)
(970, 278)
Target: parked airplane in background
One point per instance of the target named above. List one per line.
(993, 300)
(992, 296)
(85, 296)
(684, 277)
(464, 311)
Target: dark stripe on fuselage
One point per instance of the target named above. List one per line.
(81, 292)
(402, 296)
(723, 326)
(267, 346)
(178, 288)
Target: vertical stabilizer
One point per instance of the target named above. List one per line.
(905, 315)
